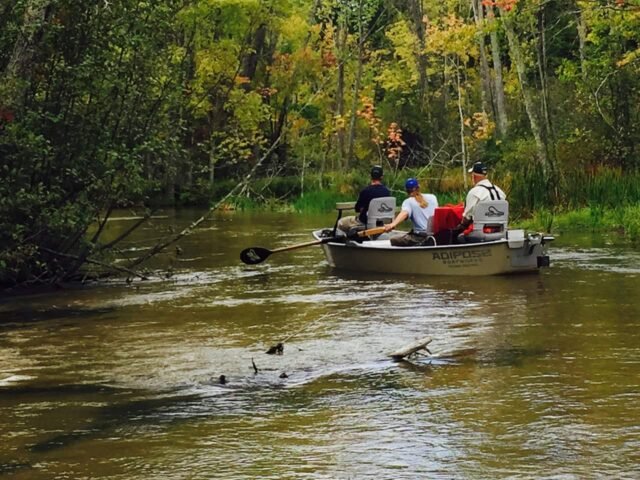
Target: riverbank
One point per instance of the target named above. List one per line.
(597, 199)
(623, 220)
(612, 203)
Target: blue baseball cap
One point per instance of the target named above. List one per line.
(411, 183)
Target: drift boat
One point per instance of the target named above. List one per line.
(501, 251)
(519, 252)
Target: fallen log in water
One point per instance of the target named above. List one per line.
(411, 348)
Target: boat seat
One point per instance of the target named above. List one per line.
(382, 210)
(490, 219)
(430, 226)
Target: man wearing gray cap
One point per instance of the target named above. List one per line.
(482, 190)
(375, 189)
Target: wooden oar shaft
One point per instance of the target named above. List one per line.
(371, 231)
(364, 233)
(255, 255)
(299, 245)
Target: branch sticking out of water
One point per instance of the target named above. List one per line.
(95, 262)
(276, 349)
(411, 349)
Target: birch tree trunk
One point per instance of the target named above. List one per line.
(486, 96)
(582, 42)
(341, 42)
(354, 104)
(527, 96)
(503, 121)
(356, 87)
(463, 147)
(544, 90)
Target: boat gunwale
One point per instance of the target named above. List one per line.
(356, 245)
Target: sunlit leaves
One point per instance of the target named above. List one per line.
(453, 36)
(400, 72)
(629, 58)
(368, 114)
(506, 5)
(394, 143)
(358, 13)
(481, 126)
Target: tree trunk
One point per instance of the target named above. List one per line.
(354, 109)
(19, 68)
(544, 90)
(341, 44)
(212, 162)
(463, 147)
(582, 42)
(503, 121)
(417, 13)
(250, 63)
(356, 89)
(280, 126)
(487, 98)
(527, 97)
(417, 16)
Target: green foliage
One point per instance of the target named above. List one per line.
(605, 187)
(401, 74)
(543, 220)
(320, 201)
(625, 219)
(93, 132)
(529, 189)
(631, 223)
(105, 104)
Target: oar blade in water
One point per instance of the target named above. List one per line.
(254, 255)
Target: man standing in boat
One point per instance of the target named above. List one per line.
(482, 190)
(419, 207)
(375, 189)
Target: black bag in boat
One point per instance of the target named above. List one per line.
(446, 236)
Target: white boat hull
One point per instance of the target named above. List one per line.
(519, 254)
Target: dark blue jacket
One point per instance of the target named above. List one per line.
(366, 195)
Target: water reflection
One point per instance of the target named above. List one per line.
(529, 374)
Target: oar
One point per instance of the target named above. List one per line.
(255, 255)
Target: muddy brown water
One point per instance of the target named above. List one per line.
(533, 376)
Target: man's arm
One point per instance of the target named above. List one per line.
(462, 226)
(469, 205)
(467, 215)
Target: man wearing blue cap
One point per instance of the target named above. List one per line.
(419, 207)
(375, 189)
(482, 190)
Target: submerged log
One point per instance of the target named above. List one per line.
(411, 348)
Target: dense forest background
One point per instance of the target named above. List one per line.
(116, 103)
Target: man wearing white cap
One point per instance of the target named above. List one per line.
(482, 190)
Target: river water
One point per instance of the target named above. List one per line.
(532, 376)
